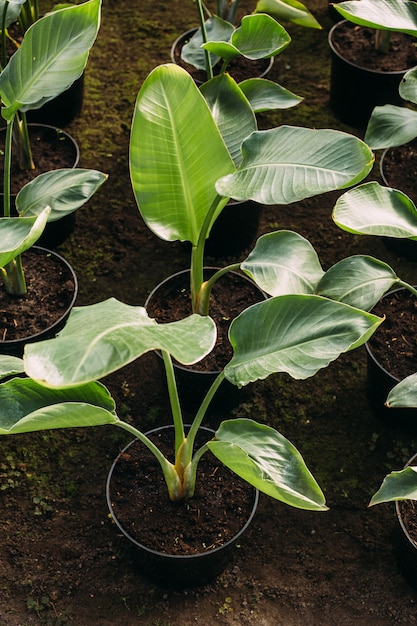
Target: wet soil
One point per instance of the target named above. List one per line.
(62, 560)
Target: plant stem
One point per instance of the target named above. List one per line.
(3, 36)
(410, 288)
(382, 41)
(7, 167)
(23, 144)
(174, 401)
(14, 277)
(209, 69)
(207, 286)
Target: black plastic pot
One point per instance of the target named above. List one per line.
(405, 248)
(63, 109)
(235, 229)
(379, 384)
(200, 75)
(16, 347)
(193, 384)
(56, 232)
(355, 90)
(406, 548)
(178, 571)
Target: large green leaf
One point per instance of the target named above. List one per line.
(287, 164)
(297, 334)
(265, 95)
(217, 29)
(63, 190)
(404, 394)
(408, 86)
(10, 365)
(288, 10)
(268, 461)
(52, 56)
(26, 406)
(231, 111)
(391, 125)
(283, 262)
(371, 209)
(258, 37)
(176, 155)
(100, 338)
(400, 485)
(358, 280)
(395, 15)
(13, 10)
(18, 234)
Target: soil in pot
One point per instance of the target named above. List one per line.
(52, 149)
(240, 68)
(406, 546)
(221, 507)
(393, 348)
(361, 77)
(399, 170)
(51, 292)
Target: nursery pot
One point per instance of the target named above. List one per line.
(239, 68)
(129, 472)
(402, 158)
(52, 148)
(406, 546)
(235, 229)
(193, 382)
(62, 289)
(356, 90)
(380, 380)
(63, 109)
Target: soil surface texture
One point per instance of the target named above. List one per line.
(62, 559)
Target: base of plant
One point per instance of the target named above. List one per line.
(178, 544)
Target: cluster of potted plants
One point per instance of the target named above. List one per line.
(192, 150)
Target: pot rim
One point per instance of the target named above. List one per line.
(412, 543)
(49, 329)
(190, 32)
(355, 65)
(187, 271)
(166, 555)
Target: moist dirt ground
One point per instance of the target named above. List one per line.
(62, 560)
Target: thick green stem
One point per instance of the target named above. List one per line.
(174, 401)
(173, 482)
(209, 69)
(3, 36)
(382, 41)
(14, 277)
(7, 168)
(207, 286)
(23, 144)
(410, 288)
(28, 15)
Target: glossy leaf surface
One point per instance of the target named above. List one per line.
(404, 394)
(395, 15)
(390, 126)
(400, 485)
(19, 234)
(288, 10)
(265, 95)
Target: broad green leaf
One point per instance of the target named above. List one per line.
(259, 37)
(288, 10)
(283, 262)
(103, 337)
(26, 406)
(390, 126)
(265, 95)
(400, 485)
(371, 209)
(176, 155)
(395, 15)
(10, 365)
(357, 280)
(297, 334)
(268, 461)
(216, 30)
(52, 56)
(18, 234)
(404, 394)
(231, 111)
(408, 86)
(13, 11)
(63, 190)
(287, 164)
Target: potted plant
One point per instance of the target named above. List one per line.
(192, 150)
(298, 333)
(384, 31)
(51, 195)
(17, 18)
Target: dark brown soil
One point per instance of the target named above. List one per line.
(62, 559)
(357, 45)
(231, 294)
(399, 168)
(219, 509)
(394, 345)
(50, 292)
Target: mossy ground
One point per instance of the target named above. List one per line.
(62, 561)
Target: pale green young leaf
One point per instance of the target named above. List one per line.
(394, 15)
(404, 394)
(10, 365)
(18, 234)
(408, 86)
(265, 95)
(400, 485)
(288, 11)
(391, 125)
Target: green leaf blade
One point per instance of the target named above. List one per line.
(400, 485)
